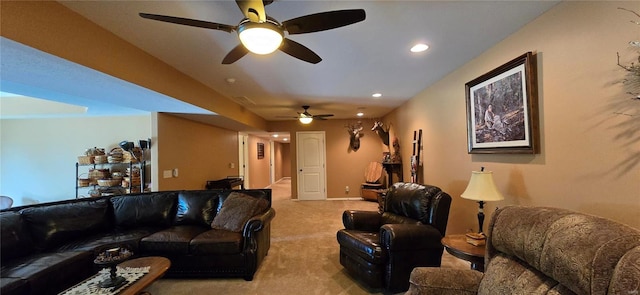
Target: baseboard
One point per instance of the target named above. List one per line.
(345, 199)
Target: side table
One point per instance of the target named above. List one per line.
(457, 246)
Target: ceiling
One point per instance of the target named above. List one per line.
(358, 60)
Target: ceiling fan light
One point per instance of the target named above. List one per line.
(260, 38)
(305, 120)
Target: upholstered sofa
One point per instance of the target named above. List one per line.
(46, 248)
(537, 250)
(381, 248)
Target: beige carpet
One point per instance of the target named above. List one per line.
(303, 258)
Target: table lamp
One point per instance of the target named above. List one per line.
(481, 188)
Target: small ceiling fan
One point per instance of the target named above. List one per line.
(306, 117)
(262, 34)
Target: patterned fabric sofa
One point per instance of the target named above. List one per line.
(46, 248)
(538, 250)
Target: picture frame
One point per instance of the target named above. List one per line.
(502, 109)
(260, 150)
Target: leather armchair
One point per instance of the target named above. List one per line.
(382, 248)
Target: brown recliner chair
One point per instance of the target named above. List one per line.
(381, 249)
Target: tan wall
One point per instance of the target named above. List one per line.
(199, 151)
(589, 158)
(51, 27)
(285, 162)
(259, 168)
(344, 167)
(282, 160)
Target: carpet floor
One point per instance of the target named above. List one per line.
(304, 254)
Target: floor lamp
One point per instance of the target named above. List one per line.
(481, 188)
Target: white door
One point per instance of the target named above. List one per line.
(310, 157)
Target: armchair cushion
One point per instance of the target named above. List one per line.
(361, 220)
(400, 237)
(444, 281)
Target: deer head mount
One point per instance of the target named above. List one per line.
(354, 135)
(384, 134)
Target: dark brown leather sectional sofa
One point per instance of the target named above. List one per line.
(46, 248)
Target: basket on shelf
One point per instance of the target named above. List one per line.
(100, 159)
(116, 155)
(95, 174)
(108, 182)
(85, 160)
(83, 182)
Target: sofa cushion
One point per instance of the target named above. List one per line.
(51, 273)
(522, 279)
(129, 239)
(174, 240)
(54, 225)
(14, 286)
(196, 207)
(256, 193)
(152, 209)
(568, 246)
(216, 241)
(15, 238)
(236, 210)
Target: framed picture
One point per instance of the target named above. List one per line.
(502, 109)
(260, 150)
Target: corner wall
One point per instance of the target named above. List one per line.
(199, 151)
(589, 156)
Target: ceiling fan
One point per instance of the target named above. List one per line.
(306, 117)
(262, 34)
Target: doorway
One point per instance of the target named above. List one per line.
(311, 169)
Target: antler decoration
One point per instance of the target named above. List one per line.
(354, 135)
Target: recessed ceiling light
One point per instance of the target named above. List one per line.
(419, 47)
(360, 114)
(275, 135)
(376, 95)
(285, 139)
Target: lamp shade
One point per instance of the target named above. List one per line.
(305, 120)
(482, 188)
(260, 38)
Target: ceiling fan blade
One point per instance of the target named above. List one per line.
(189, 22)
(253, 10)
(323, 21)
(323, 115)
(235, 54)
(299, 51)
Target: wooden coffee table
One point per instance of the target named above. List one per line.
(457, 246)
(157, 267)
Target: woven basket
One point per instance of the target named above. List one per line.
(83, 182)
(95, 174)
(100, 159)
(108, 182)
(85, 160)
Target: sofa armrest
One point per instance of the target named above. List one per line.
(361, 220)
(444, 281)
(257, 222)
(404, 236)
